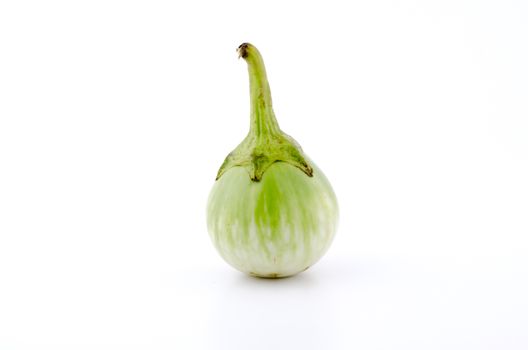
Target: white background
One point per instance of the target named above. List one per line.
(115, 116)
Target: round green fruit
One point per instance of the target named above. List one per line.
(271, 213)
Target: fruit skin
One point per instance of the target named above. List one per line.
(276, 227)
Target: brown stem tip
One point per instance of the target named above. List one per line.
(242, 50)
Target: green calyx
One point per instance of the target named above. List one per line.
(265, 143)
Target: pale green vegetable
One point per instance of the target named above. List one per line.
(271, 213)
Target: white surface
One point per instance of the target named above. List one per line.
(115, 116)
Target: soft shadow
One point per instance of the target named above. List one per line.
(303, 311)
(305, 279)
(257, 313)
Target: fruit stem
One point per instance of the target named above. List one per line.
(265, 143)
(262, 121)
